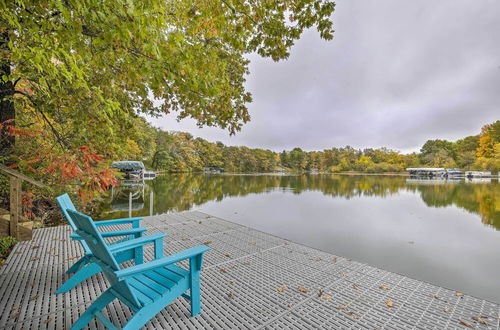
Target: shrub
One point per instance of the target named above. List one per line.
(6, 244)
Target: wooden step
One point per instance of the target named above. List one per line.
(25, 231)
(25, 228)
(4, 225)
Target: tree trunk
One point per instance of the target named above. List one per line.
(7, 110)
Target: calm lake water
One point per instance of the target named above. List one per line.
(443, 232)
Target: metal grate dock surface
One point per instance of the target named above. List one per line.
(250, 280)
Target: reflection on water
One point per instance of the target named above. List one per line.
(182, 192)
(443, 232)
(129, 196)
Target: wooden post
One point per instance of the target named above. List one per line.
(130, 204)
(15, 205)
(151, 196)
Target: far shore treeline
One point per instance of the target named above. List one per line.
(181, 152)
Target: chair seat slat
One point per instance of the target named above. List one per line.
(158, 286)
(173, 272)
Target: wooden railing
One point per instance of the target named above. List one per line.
(13, 223)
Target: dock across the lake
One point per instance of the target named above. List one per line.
(250, 280)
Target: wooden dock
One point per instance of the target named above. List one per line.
(250, 280)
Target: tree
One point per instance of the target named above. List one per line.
(488, 155)
(82, 70)
(466, 151)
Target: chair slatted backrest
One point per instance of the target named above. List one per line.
(65, 204)
(101, 253)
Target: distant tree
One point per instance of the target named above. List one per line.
(489, 144)
(438, 153)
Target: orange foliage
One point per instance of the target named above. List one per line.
(80, 166)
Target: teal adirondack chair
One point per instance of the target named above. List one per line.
(146, 288)
(84, 267)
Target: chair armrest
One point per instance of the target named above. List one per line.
(172, 259)
(125, 232)
(139, 242)
(134, 221)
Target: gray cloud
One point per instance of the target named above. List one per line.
(396, 74)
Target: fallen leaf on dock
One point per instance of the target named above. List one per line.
(344, 274)
(231, 281)
(389, 303)
(14, 315)
(246, 263)
(435, 296)
(467, 324)
(281, 288)
(230, 295)
(227, 255)
(222, 270)
(35, 247)
(47, 321)
(354, 315)
(34, 259)
(459, 294)
(327, 297)
(252, 243)
(355, 286)
(341, 307)
(303, 290)
(320, 293)
(446, 310)
(384, 287)
(34, 298)
(479, 319)
(207, 243)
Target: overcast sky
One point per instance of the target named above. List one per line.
(396, 74)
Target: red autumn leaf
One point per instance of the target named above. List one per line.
(50, 168)
(97, 158)
(31, 169)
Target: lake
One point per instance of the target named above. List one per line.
(443, 232)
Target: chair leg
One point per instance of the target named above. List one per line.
(77, 265)
(195, 287)
(78, 277)
(93, 309)
(195, 298)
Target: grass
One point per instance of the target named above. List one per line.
(6, 245)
